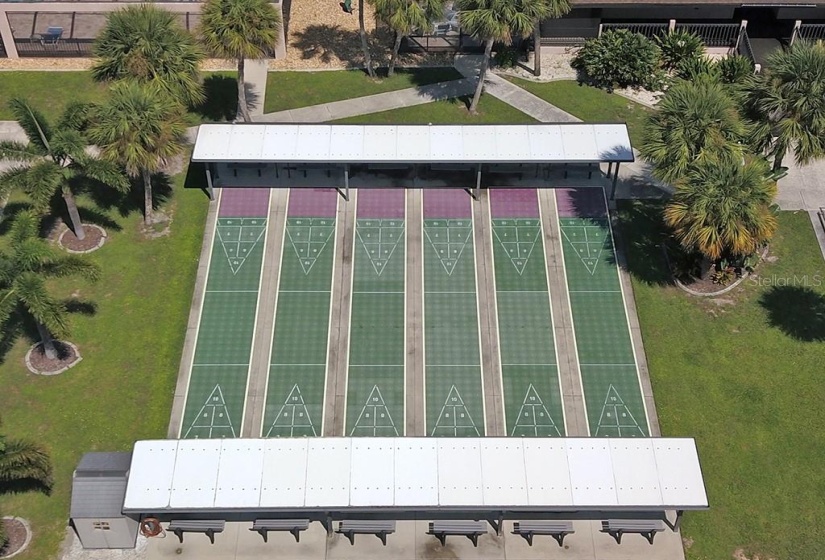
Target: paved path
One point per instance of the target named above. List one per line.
(255, 73)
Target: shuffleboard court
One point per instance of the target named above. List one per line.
(452, 356)
(220, 369)
(298, 361)
(610, 376)
(529, 368)
(377, 349)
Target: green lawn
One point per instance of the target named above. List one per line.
(50, 92)
(452, 111)
(290, 90)
(743, 376)
(589, 103)
(131, 347)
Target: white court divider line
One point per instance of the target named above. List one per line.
(572, 322)
(200, 311)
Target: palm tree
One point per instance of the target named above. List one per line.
(492, 21)
(723, 208)
(23, 462)
(145, 44)
(138, 129)
(54, 160)
(365, 45)
(790, 102)
(694, 120)
(24, 269)
(404, 17)
(240, 29)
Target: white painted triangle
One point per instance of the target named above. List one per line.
(213, 415)
(447, 250)
(454, 416)
(616, 419)
(309, 240)
(293, 414)
(249, 233)
(518, 250)
(533, 417)
(589, 252)
(375, 418)
(380, 251)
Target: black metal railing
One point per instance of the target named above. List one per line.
(649, 30)
(713, 34)
(449, 42)
(745, 49)
(63, 48)
(811, 32)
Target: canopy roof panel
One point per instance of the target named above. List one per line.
(337, 143)
(535, 474)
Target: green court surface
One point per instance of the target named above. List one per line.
(454, 394)
(217, 385)
(529, 370)
(298, 362)
(375, 378)
(610, 379)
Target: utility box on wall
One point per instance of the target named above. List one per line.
(98, 490)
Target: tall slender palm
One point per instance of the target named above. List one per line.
(406, 16)
(790, 102)
(723, 208)
(365, 44)
(53, 161)
(24, 269)
(146, 44)
(138, 129)
(492, 21)
(237, 30)
(694, 120)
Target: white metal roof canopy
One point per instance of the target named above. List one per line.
(531, 474)
(337, 143)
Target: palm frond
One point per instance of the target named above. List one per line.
(33, 123)
(33, 295)
(72, 265)
(22, 461)
(103, 171)
(18, 151)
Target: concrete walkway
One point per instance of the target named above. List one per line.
(255, 74)
(372, 103)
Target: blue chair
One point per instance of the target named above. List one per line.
(52, 36)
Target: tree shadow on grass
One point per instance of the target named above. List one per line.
(10, 211)
(221, 102)
(644, 238)
(132, 200)
(797, 311)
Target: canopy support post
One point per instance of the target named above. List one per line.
(615, 178)
(209, 190)
(345, 192)
(477, 190)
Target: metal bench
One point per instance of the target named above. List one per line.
(194, 526)
(254, 166)
(556, 529)
(645, 527)
(294, 526)
(378, 528)
(470, 529)
(580, 167)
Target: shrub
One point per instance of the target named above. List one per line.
(506, 56)
(691, 68)
(735, 69)
(619, 59)
(679, 46)
(3, 537)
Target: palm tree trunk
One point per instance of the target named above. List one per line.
(148, 203)
(47, 340)
(488, 48)
(74, 215)
(243, 108)
(365, 46)
(537, 50)
(779, 155)
(394, 57)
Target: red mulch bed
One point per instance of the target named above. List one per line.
(65, 356)
(92, 239)
(16, 532)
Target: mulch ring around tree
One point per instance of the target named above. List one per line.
(19, 535)
(67, 356)
(94, 239)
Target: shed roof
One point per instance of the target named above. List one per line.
(331, 143)
(104, 464)
(99, 485)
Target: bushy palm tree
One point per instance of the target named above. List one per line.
(146, 44)
(24, 269)
(723, 208)
(138, 129)
(492, 21)
(24, 462)
(53, 161)
(695, 120)
(237, 30)
(790, 103)
(406, 16)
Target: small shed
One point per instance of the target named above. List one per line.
(98, 491)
